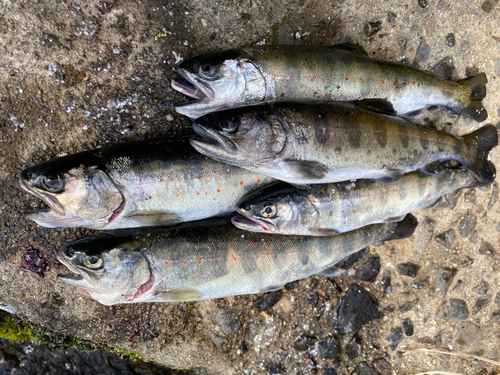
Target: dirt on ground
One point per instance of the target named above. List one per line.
(80, 75)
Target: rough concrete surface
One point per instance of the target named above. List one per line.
(78, 75)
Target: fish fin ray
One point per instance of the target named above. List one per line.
(377, 105)
(311, 170)
(433, 169)
(477, 88)
(481, 141)
(323, 232)
(351, 47)
(177, 295)
(331, 271)
(154, 218)
(271, 288)
(395, 218)
(390, 175)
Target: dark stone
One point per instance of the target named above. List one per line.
(312, 298)
(486, 249)
(475, 234)
(407, 306)
(449, 200)
(495, 317)
(443, 311)
(353, 350)
(445, 69)
(467, 225)
(319, 314)
(488, 5)
(274, 367)
(369, 270)
(471, 71)
(467, 334)
(423, 234)
(464, 46)
(329, 371)
(328, 348)
(243, 347)
(450, 40)
(285, 34)
(386, 282)
(290, 285)
(446, 239)
(267, 301)
(497, 299)
(228, 321)
(395, 336)
(481, 303)
(373, 332)
(444, 278)
(362, 368)
(422, 3)
(354, 258)
(458, 309)
(389, 309)
(407, 327)
(459, 286)
(482, 288)
(466, 261)
(408, 269)
(470, 196)
(438, 341)
(494, 196)
(371, 28)
(302, 343)
(391, 17)
(355, 309)
(382, 367)
(423, 50)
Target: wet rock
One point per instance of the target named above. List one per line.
(217, 339)
(422, 3)
(459, 286)
(467, 225)
(408, 269)
(290, 285)
(373, 332)
(407, 325)
(458, 309)
(467, 334)
(494, 196)
(446, 239)
(481, 303)
(386, 282)
(423, 50)
(302, 343)
(371, 28)
(285, 34)
(312, 298)
(423, 234)
(466, 261)
(362, 368)
(395, 336)
(445, 69)
(482, 288)
(228, 321)
(353, 350)
(407, 306)
(444, 278)
(486, 249)
(267, 301)
(450, 40)
(327, 348)
(274, 367)
(449, 200)
(355, 258)
(488, 5)
(391, 17)
(495, 317)
(369, 270)
(473, 237)
(497, 299)
(382, 367)
(356, 309)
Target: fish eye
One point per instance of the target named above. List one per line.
(209, 71)
(229, 124)
(53, 183)
(269, 210)
(93, 262)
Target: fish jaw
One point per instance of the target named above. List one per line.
(213, 144)
(198, 90)
(55, 207)
(252, 224)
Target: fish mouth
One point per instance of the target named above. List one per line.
(76, 280)
(211, 141)
(54, 206)
(192, 88)
(252, 224)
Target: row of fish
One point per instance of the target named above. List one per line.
(355, 172)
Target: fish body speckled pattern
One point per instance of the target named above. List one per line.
(340, 207)
(325, 143)
(145, 183)
(195, 262)
(316, 74)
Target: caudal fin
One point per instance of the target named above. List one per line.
(477, 183)
(477, 88)
(404, 228)
(480, 144)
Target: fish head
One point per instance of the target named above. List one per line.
(78, 193)
(110, 269)
(243, 137)
(218, 81)
(280, 211)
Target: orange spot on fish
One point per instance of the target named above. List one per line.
(123, 295)
(150, 197)
(172, 179)
(246, 192)
(258, 180)
(215, 261)
(312, 80)
(274, 78)
(428, 196)
(367, 66)
(414, 83)
(251, 244)
(292, 78)
(167, 261)
(383, 81)
(326, 65)
(140, 166)
(326, 94)
(267, 253)
(228, 171)
(214, 171)
(176, 195)
(154, 261)
(218, 190)
(341, 96)
(326, 249)
(256, 257)
(206, 193)
(399, 96)
(197, 193)
(248, 257)
(234, 258)
(362, 80)
(161, 180)
(198, 176)
(393, 189)
(233, 193)
(166, 277)
(275, 256)
(197, 275)
(412, 175)
(430, 183)
(347, 78)
(140, 181)
(314, 61)
(241, 182)
(213, 198)
(313, 201)
(200, 260)
(277, 241)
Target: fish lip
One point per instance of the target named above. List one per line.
(194, 88)
(245, 222)
(211, 137)
(55, 207)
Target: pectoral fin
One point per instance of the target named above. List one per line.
(310, 170)
(154, 218)
(377, 105)
(178, 295)
(331, 271)
(395, 218)
(390, 175)
(323, 232)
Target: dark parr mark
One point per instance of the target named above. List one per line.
(338, 149)
(322, 134)
(249, 264)
(381, 136)
(354, 135)
(424, 142)
(405, 140)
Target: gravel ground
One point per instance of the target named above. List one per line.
(79, 75)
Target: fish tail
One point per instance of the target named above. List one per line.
(476, 183)
(404, 228)
(476, 88)
(480, 144)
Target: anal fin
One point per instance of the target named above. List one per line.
(322, 232)
(390, 175)
(177, 295)
(154, 218)
(377, 105)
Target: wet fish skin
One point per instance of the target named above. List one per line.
(340, 207)
(194, 262)
(145, 183)
(315, 74)
(325, 143)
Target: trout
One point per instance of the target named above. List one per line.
(325, 143)
(340, 207)
(197, 261)
(145, 183)
(318, 74)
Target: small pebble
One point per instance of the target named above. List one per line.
(408, 269)
(445, 69)
(488, 5)
(373, 332)
(353, 350)
(459, 286)
(474, 235)
(450, 40)
(407, 327)
(497, 299)
(228, 321)
(407, 306)
(467, 225)
(312, 298)
(382, 367)
(482, 288)
(386, 282)
(481, 303)
(467, 334)
(391, 17)
(449, 200)
(444, 278)
(446, 239)
(494, 196)
(423, 234)
(169, 117)
(438, 340)
(275, 367)
(362, 368)
(422, 3)
(497, 72)
(423, 50)
(329, 371)
(302, 343)
(486, 249)
(328, 348)
(470, 195)
(267, 301)
(466, 261)
(395, 336)
(371, 28)
(355, 309)
(369, 270)
(458, 309)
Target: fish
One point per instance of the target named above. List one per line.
(144, 183)
(313, 144)
(204, 260)
(329, 209)
(318, 74)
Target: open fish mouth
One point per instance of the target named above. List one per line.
(252, 224)
(193, 88)
(54, 206)
(211, 140)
